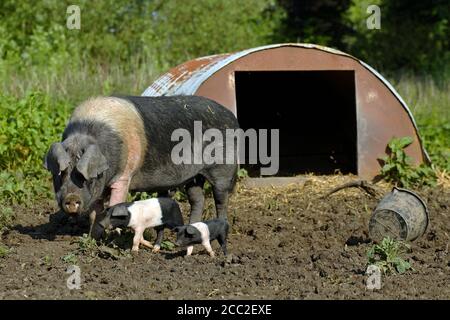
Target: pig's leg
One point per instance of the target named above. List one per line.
(189, 250)
(223, 243)
(208, 248)
(119, 191)
(146, 243)
(222, 179)
(159, 237)
(221, 201)
(196, 199)
(164, 194)
(138, 235)
(95, 214)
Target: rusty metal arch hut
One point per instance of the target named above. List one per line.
(334, 111)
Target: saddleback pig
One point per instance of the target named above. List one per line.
(158, 213)
(113, 145)
(204, 233)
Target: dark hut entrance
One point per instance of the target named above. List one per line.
(315, 112)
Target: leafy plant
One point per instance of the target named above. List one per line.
(242, 174)
(167, 245)
(3, 251)
(27, 128)
(87, 244)
(398, 169)
(386, 256)
(70, 258)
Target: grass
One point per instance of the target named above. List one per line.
(71, 85)
(429, 101)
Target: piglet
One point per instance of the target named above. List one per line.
(204, 233)
(158, 213)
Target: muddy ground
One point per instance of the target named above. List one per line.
(285, 243)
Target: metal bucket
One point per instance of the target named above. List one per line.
(401, 215)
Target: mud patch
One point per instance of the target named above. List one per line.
(285, 243)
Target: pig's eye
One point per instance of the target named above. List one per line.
(78, 178)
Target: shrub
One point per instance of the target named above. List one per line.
(397, 167)
(28, 126)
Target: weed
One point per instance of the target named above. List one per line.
(87, 244)
(6, 217)
(242, 174)
(386, 256)
(46, 260)
(167, 245)
(397, 167)
(70, 258)
(3, 251)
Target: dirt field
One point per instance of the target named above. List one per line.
(285, 243)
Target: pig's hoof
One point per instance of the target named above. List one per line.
(212, 254)
(156, 249)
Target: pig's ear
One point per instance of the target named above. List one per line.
(92, 162)
(190, 230)
(120, 212)
(57, 159)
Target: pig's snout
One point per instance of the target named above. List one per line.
(72, 203)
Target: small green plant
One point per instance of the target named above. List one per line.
(70, 258)
(167, 245)
(46, 260)
(398, 169)
(3, 251)
(386, 256)
(87, 244)
(242, 174)
(6, 217)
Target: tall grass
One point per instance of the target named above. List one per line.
(76, 84)
(429, 102)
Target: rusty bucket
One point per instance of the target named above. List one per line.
(401, 215)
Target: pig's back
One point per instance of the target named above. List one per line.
(145, 214)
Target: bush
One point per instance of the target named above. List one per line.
(397, 167)
(28, 126)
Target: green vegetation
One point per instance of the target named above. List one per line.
(386, 256)
(27, 128)
(46, 69)
(398, 167)
(167, 245)
(3, 251)
(70, 258)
